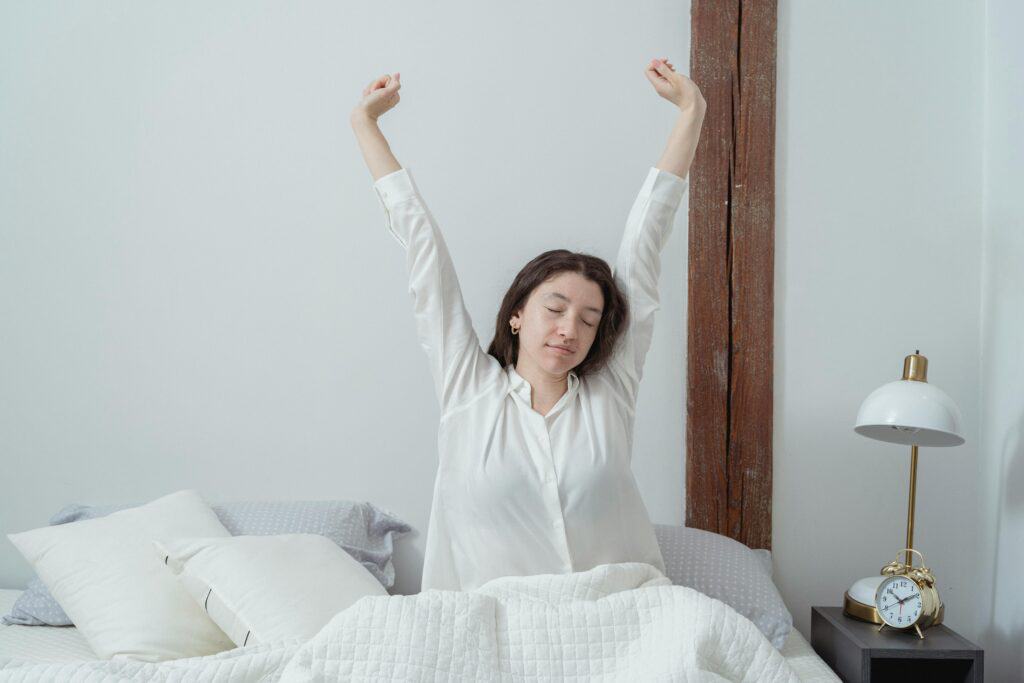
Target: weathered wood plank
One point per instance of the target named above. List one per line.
(731, 272)
(712, 64)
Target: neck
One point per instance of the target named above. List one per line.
(546, 387)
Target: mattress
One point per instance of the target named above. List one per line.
(66, 644)
(805, 662)
(43, 643)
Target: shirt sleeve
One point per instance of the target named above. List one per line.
(637, 269)
(461, 370)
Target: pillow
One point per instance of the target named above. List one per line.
(729, 571)
(766, 558)
(260, 589)
(105, 575)
(363, 530)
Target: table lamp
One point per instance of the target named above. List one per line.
(914, 413)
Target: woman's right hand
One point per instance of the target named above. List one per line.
(378, 97)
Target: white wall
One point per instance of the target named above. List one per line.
(878, 254)
(1002, 352)
(901, 226)
(196, 286)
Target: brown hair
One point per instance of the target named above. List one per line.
(505, 345)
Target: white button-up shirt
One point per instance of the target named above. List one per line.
(517, 492)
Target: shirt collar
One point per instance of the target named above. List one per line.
(518, 385)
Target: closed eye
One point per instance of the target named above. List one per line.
(553, 310)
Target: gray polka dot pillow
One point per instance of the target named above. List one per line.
(364, 531)
(728, 571)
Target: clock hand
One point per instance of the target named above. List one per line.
(909, 595)
(898, 601)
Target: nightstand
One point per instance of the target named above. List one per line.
(858, 653)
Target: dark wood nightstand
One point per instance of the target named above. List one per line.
(858, 653)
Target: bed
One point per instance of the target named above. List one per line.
(65, 644)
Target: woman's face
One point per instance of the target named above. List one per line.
(558, 324)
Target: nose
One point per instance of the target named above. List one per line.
(568, 330)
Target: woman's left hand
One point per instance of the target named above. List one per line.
(674, 87)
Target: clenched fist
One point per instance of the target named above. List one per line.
(676, 88)
(379, 97)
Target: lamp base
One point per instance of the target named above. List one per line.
(859, 601)
(858, 610)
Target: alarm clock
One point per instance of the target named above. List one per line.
(907, 598)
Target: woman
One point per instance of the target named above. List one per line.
(536, 434)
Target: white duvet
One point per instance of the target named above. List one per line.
(616, 622)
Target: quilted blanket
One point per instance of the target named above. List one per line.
(616, 622)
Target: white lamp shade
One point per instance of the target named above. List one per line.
(910, 413)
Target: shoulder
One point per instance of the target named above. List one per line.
(492, 391)
(605, 386)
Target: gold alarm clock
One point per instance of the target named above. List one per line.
(907, 598)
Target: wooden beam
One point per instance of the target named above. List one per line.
(731, 272)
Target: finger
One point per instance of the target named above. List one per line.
(661, 65)
(662, 69)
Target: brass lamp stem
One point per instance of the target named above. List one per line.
(910, 506)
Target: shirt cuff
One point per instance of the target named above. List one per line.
(665, 187)
(395, 187)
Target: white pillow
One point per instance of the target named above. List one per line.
(260, 589)
(103, 572)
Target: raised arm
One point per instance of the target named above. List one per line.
(461, 370)
(378, 97)
(638, 263)
(684, 93)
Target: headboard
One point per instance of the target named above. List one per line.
(731, 272)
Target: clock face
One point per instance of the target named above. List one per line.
(898, 601)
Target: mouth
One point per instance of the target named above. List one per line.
(560, 350)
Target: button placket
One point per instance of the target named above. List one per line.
(549, 463)
(554, 500)
(546, 467)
